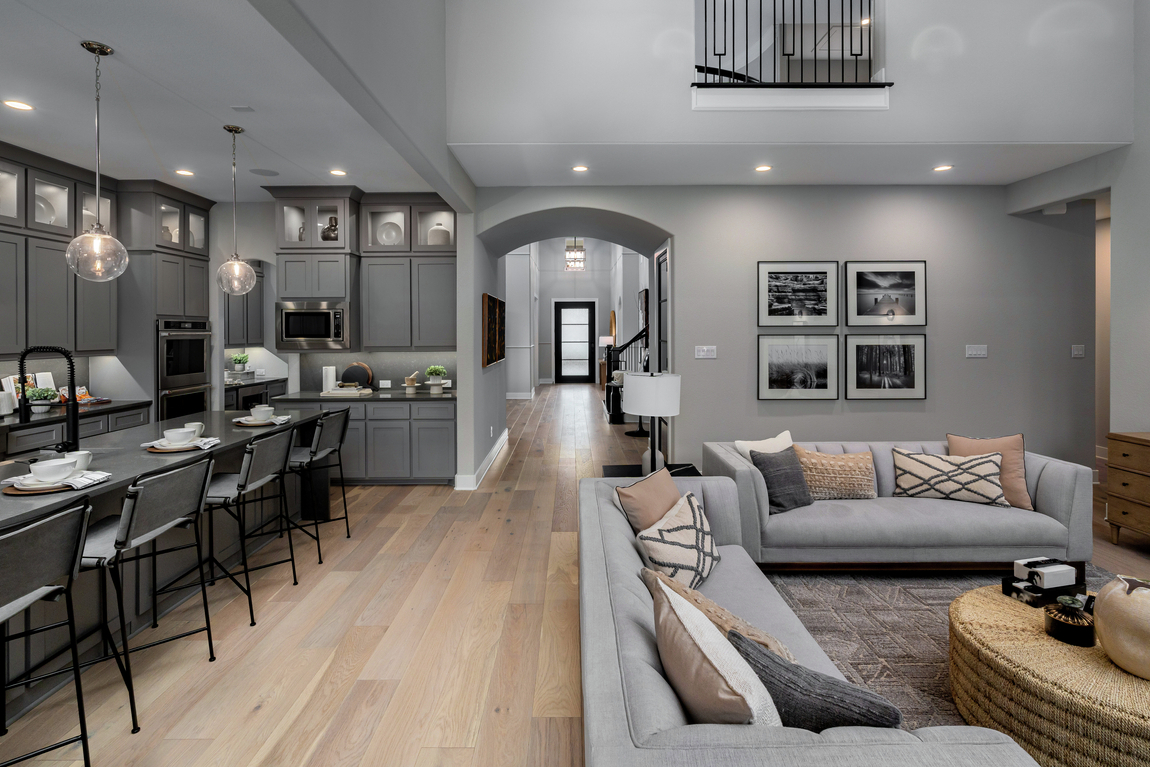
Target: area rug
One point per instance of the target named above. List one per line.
(889, 632)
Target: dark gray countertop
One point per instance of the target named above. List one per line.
(55, 413)
(396, 394)
(252, 381)
(119, 452)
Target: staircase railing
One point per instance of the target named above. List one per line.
(632, 357)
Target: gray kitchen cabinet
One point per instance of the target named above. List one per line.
(293, 276)
(385, 228)
(196, 230)
(235, 320)
(128, 419)
(389, 449)
(433, 449)
(169, 221)
(51, 295)
(433, 302)
(432, 228)
(277, 388)
(196, 281)
(153, 215)
(229, 399)
(50, 203)
(12, 194)
(90, 427)
(432, 410)
(12, 293)
(314, 275)
(329, 276)
(96, 312)
(254, 311)
(385, 307)
(86, 208)
(169, 285)
(34, 438)
(388, 411)
(354, 451)
(355, 410)
(300, 223)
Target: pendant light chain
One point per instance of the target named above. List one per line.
(97, 58)
(235, 236)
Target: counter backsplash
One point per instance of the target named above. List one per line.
(391, 366)
(58, 367)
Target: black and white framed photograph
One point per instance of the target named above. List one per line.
(886, 367)
(799, 367)
(799, 294)
(885, 293)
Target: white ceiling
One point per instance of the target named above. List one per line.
(178, 69)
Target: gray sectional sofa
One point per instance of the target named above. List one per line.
(911, 530)
(631, 715)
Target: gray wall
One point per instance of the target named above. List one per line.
(1022, 285)
(556, 283)
(58, 367)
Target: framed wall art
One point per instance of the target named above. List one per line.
(799, 367)
(798, 294)
(885, 293)
(494, 329)
(886, 367)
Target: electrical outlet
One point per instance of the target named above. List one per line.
(976, 351)
(706, 352)
(1077, 351)
(385, 384)
(446, 383)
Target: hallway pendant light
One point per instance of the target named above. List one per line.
(235, 276)
(575, 256)
(96, 255)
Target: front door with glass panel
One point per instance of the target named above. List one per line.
(574, 342)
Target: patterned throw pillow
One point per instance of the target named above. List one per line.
(833, 477)
(971, 478)
(680, 544)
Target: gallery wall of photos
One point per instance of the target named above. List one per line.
(874, 296)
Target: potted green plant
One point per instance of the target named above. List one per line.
(240, 361)
(42, 398)
(435, 374)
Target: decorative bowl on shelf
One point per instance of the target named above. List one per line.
(45, 211)
(389, 233)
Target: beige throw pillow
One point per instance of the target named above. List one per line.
(835, 477)
(973, 479)
(1013, 451)
(713, 682)
(649, 499)
(725, 621)
(680, 544)
(773, 445)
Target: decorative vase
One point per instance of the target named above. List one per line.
(302, 233)
(330, 232)
(41, 405)
(166, 233)
(438, 234)
(1122, 620)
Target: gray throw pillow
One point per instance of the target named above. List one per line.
(786, 486)
(812, 701)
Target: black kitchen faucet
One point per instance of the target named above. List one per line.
(71, 408)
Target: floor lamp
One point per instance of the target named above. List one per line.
(655, 396)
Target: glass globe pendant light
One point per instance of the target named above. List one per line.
(96, 255)
(235, 276)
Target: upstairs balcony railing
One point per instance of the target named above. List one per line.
(788, 44)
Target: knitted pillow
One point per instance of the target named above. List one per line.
(680, 544)
(786, 486)
(971, 478)
(833, 477)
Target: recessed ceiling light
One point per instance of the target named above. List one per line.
(943, 167)
(18, 105)
(580, 169)
(184, 173)
(763, 168)
(339, 172)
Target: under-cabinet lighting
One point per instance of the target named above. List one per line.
(941, 168)
(338, 172)
(18, 105)
(580, 169)
(184, 173)
(763, 168)
(865, 22)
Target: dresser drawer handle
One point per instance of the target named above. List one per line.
(1125, 513)
(1125, 484)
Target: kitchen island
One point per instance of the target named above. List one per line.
(120, 453)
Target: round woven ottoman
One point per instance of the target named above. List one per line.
(1068, 706)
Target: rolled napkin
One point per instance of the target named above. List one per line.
(203, 443)
(77, 482)
(278, 420)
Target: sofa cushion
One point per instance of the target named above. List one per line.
(1013, 450)
(712, 680)
(772, 445)
(646, 501)
(831, 476)
(811, 700)
(972, 478)
(884, 523)
(880, 454)
(680, 544)
(786, 484)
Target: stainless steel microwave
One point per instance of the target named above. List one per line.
(313, 325)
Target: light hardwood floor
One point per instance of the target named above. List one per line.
(445, 633)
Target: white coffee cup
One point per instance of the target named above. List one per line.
(83, 459)
(262, 412)
(197, 426)
(179, 436)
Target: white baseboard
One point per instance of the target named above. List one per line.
(521, 394)
(471, 481)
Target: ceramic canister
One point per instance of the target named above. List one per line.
(1122, 622)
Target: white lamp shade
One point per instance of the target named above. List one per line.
(651, 395)
(606, 341)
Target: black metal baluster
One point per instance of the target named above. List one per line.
(870, 41)
(842, 42)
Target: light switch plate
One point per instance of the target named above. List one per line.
(1077, 351)
(385, 384)
(706, 352)
(446, 383)
(976, 351)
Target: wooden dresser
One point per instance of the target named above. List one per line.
(1128, 482)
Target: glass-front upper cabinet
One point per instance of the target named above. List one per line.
(434, 228)
(50, 203)
(386, 228)
(11, 194)
(314, 224)
(196, 231)
(329, 223)
(169, 222)
(86, 209)
(291, 223)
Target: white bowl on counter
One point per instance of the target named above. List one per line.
(53, 470)
(262, 412)
(179, 436)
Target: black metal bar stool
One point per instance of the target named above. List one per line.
(328, 438)
(265, 461)
(156, 502)
(34, 560)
